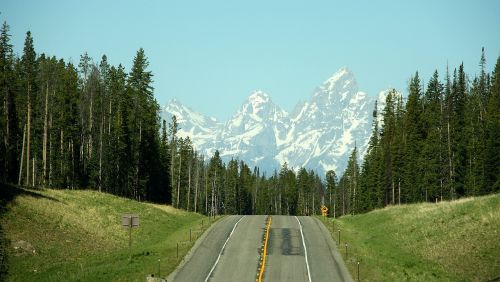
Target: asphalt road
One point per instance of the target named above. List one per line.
(299, 249)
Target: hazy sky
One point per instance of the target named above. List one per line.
(212, 54)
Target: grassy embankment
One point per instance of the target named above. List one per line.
(448, 241)
(65, 235)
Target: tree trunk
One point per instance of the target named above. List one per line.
(91, 123)
(61, 153)
(330, 198)
(72, 150)
(22, 157)
(33, 171)
(50, 149)
(137, 162)
(206, 192)
(179, 180)
(45, 133)
(216, 195)
(313, 207)
(212, 202)
(6, 137)
(189, 186)
(109, 119)
(452, 192)
(354, 192)
(343, 199)
(28, 113)
(100, 154)
(279, 202)
(196, 186)
(172, 162)
(393, 198)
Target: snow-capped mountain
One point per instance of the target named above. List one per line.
(201, 130)
(327, 127)
(255, 132)
(320, 133)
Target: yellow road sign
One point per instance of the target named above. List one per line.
(324, 210)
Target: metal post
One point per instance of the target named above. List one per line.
(159, 275)
(346, 251)
(358, 271)
(130, 239)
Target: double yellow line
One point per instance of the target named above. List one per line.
(264, 253)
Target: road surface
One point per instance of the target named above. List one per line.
(299, 249)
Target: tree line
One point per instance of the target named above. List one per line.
(91, 125)
(98, 126)
(442, 143)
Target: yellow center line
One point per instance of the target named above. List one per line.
(265, 251)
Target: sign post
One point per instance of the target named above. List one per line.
(130, 221)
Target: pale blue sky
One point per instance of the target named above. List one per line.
(212, 54)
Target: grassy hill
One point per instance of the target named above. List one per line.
(67, 235)
(448, 241)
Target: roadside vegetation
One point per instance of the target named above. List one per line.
(448, 241)
(69, 235)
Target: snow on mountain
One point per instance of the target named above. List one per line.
(201, 130)
(254, 132)
(326, 129)
(320, 134)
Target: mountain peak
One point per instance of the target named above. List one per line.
(343, 74)
(259, 96)
(258, 101)
(319, 135)
(174, 102)
(341, 86)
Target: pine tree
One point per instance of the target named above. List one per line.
(28, 73)
(144, 126)
(431, 146)
(331, 186)
(413, 188)
(9, 130)
(231, 188)
(387, 142)
(173, 128)
(492, 160)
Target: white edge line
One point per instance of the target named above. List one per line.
(223, 246)
(305, 249)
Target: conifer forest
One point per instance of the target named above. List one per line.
(93, 125)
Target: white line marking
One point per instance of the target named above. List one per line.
(223, 246)
(305, 250)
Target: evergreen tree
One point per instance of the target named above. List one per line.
(492, 160)
(9, 130)
(331, 186)
(432, 144)
(413, 188)
(232, 188)
(388, 143)
(144, 124)
(28, 75)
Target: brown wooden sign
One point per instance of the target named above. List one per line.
(130, 220)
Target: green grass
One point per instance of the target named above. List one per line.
(68, 235)
(448, 241)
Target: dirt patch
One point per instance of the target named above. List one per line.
(23, 248)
